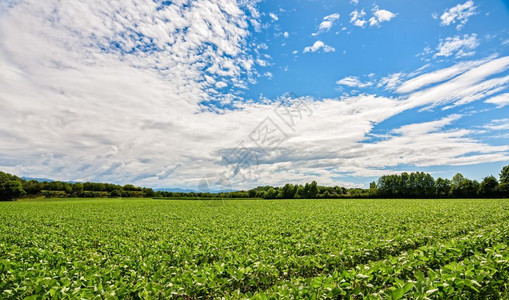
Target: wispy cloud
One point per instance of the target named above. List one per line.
(459, 46)
(392, 81)
(458, 14)
(498, 124)
(499, 100)
(438, 76)
(112, 131)
(353, 81)
(118, 96)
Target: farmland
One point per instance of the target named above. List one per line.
(147, 248)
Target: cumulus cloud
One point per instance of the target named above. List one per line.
(357, 18)
(328, 21)
(161, 141)
(319, 46)
(353, 81)
(458, 14)
(459, 46)
(117, 97)
(380, 15)
(499, 100)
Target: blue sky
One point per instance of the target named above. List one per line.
(390, 47)
(177, 93)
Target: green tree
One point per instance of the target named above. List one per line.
(116, 193)
(288, 191)
(67, 188)
(77, 188)
(306, 190)
(130, 187)
(442, 187)
(488, 186)
(148, 192)
(32, 187)
(300, 193)
(313, 190)
(373, 189)
(503, 190)
(463, 187)
(504, 175)
(11, 189)
(271, 193)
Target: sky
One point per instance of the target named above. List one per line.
(235, 94)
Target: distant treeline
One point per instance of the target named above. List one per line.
(404, 185)
(13, 187)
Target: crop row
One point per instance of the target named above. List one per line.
(155, 248)
(473, 266)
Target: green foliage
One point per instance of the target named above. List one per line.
(313, 190)
(11, 189)
(488, 187)
(504, 175)
(503, 190)
(442, 188)
(240, 249)
(59, 189)
(415, 185)
(271, 193)
(463, 187)
(78, 188)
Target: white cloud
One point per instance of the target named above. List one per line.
(391, 81)
(499, 124)
(273, 16)
(81, 99)
(459, 46)
(458, 14)
(499, 100)
(471, 85)
(415, 143)
(286, 34)
(354, 2)
(439, 75)
(317, 46)
(357, 18)
(221, 84)
(261, 62)
(353, 81)
(328, 21)
(380, 15)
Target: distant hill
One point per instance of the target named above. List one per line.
(175, 190)
(37, 179)
(179, 190)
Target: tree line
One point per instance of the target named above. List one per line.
(404, 185)
(13, 187)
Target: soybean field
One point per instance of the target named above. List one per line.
(262, 249)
